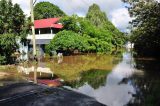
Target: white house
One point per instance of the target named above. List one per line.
(45, 30)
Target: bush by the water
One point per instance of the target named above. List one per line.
(67, 41)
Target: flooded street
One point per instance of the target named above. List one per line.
(117, 89)
(114, 80)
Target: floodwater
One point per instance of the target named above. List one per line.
(114, 80)
(117, 88)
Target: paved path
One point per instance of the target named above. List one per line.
(28, 94)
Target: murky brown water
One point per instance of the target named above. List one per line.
(114, 80)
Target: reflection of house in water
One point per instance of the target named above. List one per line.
(45, 30)
(129, 45)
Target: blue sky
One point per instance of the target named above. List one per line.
(115, 9)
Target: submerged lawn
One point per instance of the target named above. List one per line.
(69, 68)
(73, 67)
(10, 74)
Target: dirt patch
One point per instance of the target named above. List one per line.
(3, 74)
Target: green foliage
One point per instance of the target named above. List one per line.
(96, 16)
(67, 41)
(118, 38)
(2, 60)
(12, 24)
(43, 10)
(71, 23)
(98, 31)
(145, 33)
(100, 20)
(12, 18)
(98, 34)
(95, 39)
(8, 46)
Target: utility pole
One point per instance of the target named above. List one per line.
(33, 30)
(33, 38)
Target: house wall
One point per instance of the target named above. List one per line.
(43, 37)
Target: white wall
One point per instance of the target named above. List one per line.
(42, 36)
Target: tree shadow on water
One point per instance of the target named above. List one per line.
(148, 85)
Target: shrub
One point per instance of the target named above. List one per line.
(67, 41)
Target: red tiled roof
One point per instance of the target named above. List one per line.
(47, 23)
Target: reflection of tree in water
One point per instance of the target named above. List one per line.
(93, 77)
(147, 86)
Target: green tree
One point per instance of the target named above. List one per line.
(19, 19)
(12, 25)
(43, 10)
(100, 20)
(96, 16)
(99, 39)
(12, 17)
(71, 23)
(8, 46)
(146, 24)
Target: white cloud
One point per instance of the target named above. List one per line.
(74, 6)
(120, 18)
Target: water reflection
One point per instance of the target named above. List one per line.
(40, 75)
(95, 78)
(72, 67)
(40, 70)
(117, 90)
